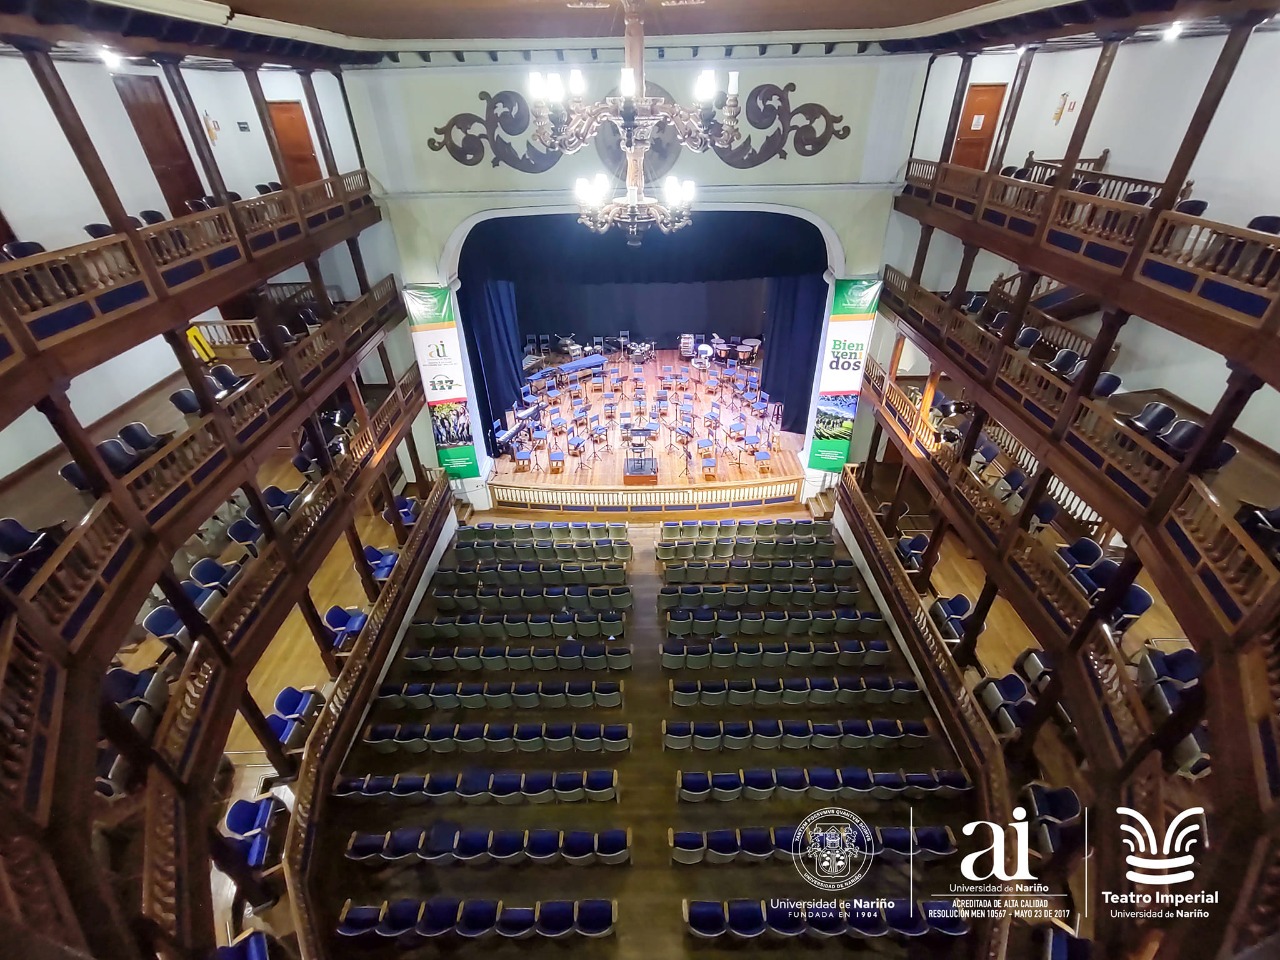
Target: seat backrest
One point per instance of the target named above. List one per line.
(14, 537)
(72, 473)
(1086, 551)
(225, 376)
(98, 230)
(1027, 337)
(1192, 208)
(1140, 197)
(197, 205)
(1091, 188)
(1265, 224)
(1155, 416)
(1106, 384)
(152, 217)
(117, 456)
(138, 436)
(258, 350)
(185, 400)
(263, 188)
(17, 249)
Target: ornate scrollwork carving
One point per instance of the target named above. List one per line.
(506, 113)
(768, 107)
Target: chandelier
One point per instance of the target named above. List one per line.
(563, 121)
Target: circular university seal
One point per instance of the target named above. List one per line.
(832, 848)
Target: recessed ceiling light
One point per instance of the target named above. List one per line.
(683, 3)
(588, 5)
(112, 59)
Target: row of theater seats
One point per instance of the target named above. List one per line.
(764, 691)
(448, 843)
(496, 737)
(685, 530)
(852, 734)
(679, 655)
(749, 919)
(532, 599)
(799, 596)
(1093, 573)
(408, 920)
(544, 551)
(502, 696)
(562, 656)
(531, 574)
(710, 622)
(1169, 681)
(476, 786)
(788, 844)
(747, 548)
(583, 626)
(759, 571)
(819, 783)
(557, 531)
(256, 828)
(294, 711)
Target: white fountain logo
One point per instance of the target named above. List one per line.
(1146, 853)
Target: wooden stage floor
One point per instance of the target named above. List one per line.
(601, 465)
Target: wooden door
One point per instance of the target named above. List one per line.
(978, 121)
(161, 139)
(296, 145)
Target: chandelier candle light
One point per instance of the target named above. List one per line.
(563, 121)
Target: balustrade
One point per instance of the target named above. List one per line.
(1126, 717)
(975, 346)
(322, 201)
(313, 353)
(229, 339)
(30, 707)
(920, 176)
(1041, 570)
(310, 514)
(1094, 228)
(1046, 171)
(897, 285)
(1226, 564)
(191, 248)
(1128, 459)
(250, 407)
(1014, 205)
(269, 219)
(1233, 268)
(355, 185)
(992, 514)
(57, 295)
(177, 469)
(244, 602)
(958, 187)
(1032, 387)
(68, 587)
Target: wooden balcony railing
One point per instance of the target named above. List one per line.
(338, 721)
(237, 613)
(263, 397)
(1041, 570)
(322, 201)
(1126, 717)
(1235, 269)
(1095, 228)
(315, 352)
(1227, 566)
(992, 515)
(67, 588)
(1128, 459)
(310, 514)
(177, 469)
(193, 247)
(1046, 171)
(269, 219)
(1014, 205)
(965, 719)
(1033, 388)
(920, 176)
(976, 347)
(193, 694)
(958, 187)
(229, 339)
(32, 680)
(64, 293)
(1062, 336)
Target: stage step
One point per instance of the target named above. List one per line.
(822, 506)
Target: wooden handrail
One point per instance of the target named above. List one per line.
(1055, 588)
(338, 722)
(30, 679)
(1044, 171)
(1098, 221)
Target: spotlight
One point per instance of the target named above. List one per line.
(1174, 30)
(112, 59)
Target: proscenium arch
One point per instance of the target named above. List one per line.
(451, 254)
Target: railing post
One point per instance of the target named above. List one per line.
(318, 632)
(930, 390)
(957, 107)
(36, 53)
(970, 442)
(1021, 300)
(1216, 86)
(1084, 119)
(1020, 74)
(248, 708)
(317, 121)
(1241, 385)
(195, 622)
(1112, 322)
(1035, 492)
(967, 650)
(195, 372)
(362, 565)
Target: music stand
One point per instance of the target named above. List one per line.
(688, 464)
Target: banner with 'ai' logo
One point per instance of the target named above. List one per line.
(853, 314)
(435, 342)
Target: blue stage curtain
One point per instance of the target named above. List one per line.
(795, 311)
(492, 330)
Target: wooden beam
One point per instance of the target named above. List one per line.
(361, 564)
(966, 651)
(930, 390)
(419, 471)
(318, 632)
(869, 466)
(930, 556)
(1112, 322)
(322, 293)
(1020, 74)
(256, 720)
(357, 264)
(922, 252)
(895, 358)
(317, 121)
(346, 104)
(957, 107)
(961, 286)
(268, 127)
(388, 495)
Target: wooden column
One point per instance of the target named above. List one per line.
(869, 467)
(346, 103)
(960, 287)
(389, 496)
(1216, 86)
(976, 425)
(322, 292)
(419, 471)
(922, 252)
(895, 357)
(1016, 89)
(357, 264)
(362, 565)
(930, 556)
(136, 748)
(230, 860)
(1021, 301)
(1241, 385)
(967, 650)
(196, 623)
(315, 623)
(357, 401)
(957, 107)
(1112, 322)
(1036, 487)
(251, 77)
(897, 505)
(285, 765)
(36, 53)
(317, 121)
(930, 389)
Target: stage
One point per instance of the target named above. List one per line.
(551, 476)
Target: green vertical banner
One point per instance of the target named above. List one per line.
(434, 330)
(853, 315)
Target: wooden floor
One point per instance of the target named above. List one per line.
(602, 464)
(650, 889)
